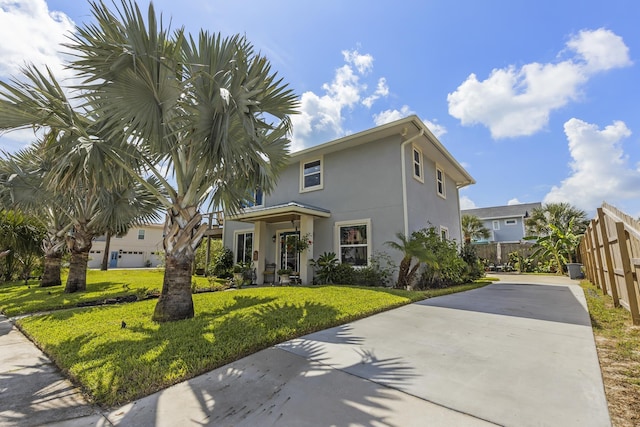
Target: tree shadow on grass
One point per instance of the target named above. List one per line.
(275, 386)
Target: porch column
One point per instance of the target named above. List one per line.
(306, 272)
(260, 244)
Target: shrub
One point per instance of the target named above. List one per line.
(325, 267)
(221, 263)
(475, 267)
(345, 274)
(379, 272)
(448, 269)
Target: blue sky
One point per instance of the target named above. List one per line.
(537, 100)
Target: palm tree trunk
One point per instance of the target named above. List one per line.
(183, 232)
(79, 245)
(52, 248)
(51, 272)
(403, 272)
(105, 256)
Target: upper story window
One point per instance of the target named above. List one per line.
(440, 182)
(511, 221)
(417, 164)
(257, 199)
(140, 234)
(311, 175)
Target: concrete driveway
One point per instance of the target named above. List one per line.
(517, 353)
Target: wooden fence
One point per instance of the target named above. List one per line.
(490, 251)
(610, 253)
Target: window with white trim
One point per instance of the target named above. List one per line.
(417, 164)
(140, 234)
(510, 221)
(440, 182)
(244, 246)
(354, 242)
(311, 175)
(496, 225)
(444, 233)
(256, 200)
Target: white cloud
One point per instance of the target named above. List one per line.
(517, 102)
(514, 201)
(321, 116)
(35, 35)
(466, 203)
(437, 129)
(601, 49)
(600, 169)
(382, 90)
(388, 116)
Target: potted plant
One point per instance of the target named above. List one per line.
(299, 244)
(284, 274)
(239, 273)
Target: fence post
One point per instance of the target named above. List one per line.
(628, 275)
(606, 242)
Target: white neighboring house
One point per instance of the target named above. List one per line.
(140, 247)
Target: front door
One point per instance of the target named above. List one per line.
(289, 258)
(113, 259)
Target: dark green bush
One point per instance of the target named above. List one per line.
(379, 272)
(475, 267)
(345, 274)
(221, 263)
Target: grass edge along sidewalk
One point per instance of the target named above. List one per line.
(116, 362)
(618, 346)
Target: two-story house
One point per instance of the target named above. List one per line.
(506, 223)
(140, 247)
(350, 196)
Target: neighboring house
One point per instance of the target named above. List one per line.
(140, 247)
(506, 223)
(351, 196)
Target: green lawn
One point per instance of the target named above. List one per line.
(117, 365)
(17, 299)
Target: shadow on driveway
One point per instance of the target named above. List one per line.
(553, 303)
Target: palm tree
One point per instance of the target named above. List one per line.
(88, 210)
(207, 109)
(412, 248)
(473, 228)
(22, 185)
(563, 216)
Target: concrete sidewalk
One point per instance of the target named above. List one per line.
(517, 353)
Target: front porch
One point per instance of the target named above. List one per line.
(271, 227)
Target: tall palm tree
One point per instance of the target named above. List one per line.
(207, 109)
(473, 228)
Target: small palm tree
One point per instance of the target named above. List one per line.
(473, 228)
(412, 248)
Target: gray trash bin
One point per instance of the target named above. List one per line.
(575, 270)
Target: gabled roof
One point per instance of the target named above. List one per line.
(406, 128)
(510, 211)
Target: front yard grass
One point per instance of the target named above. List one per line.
(16, 298)
(116, 365)
(618, 345)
